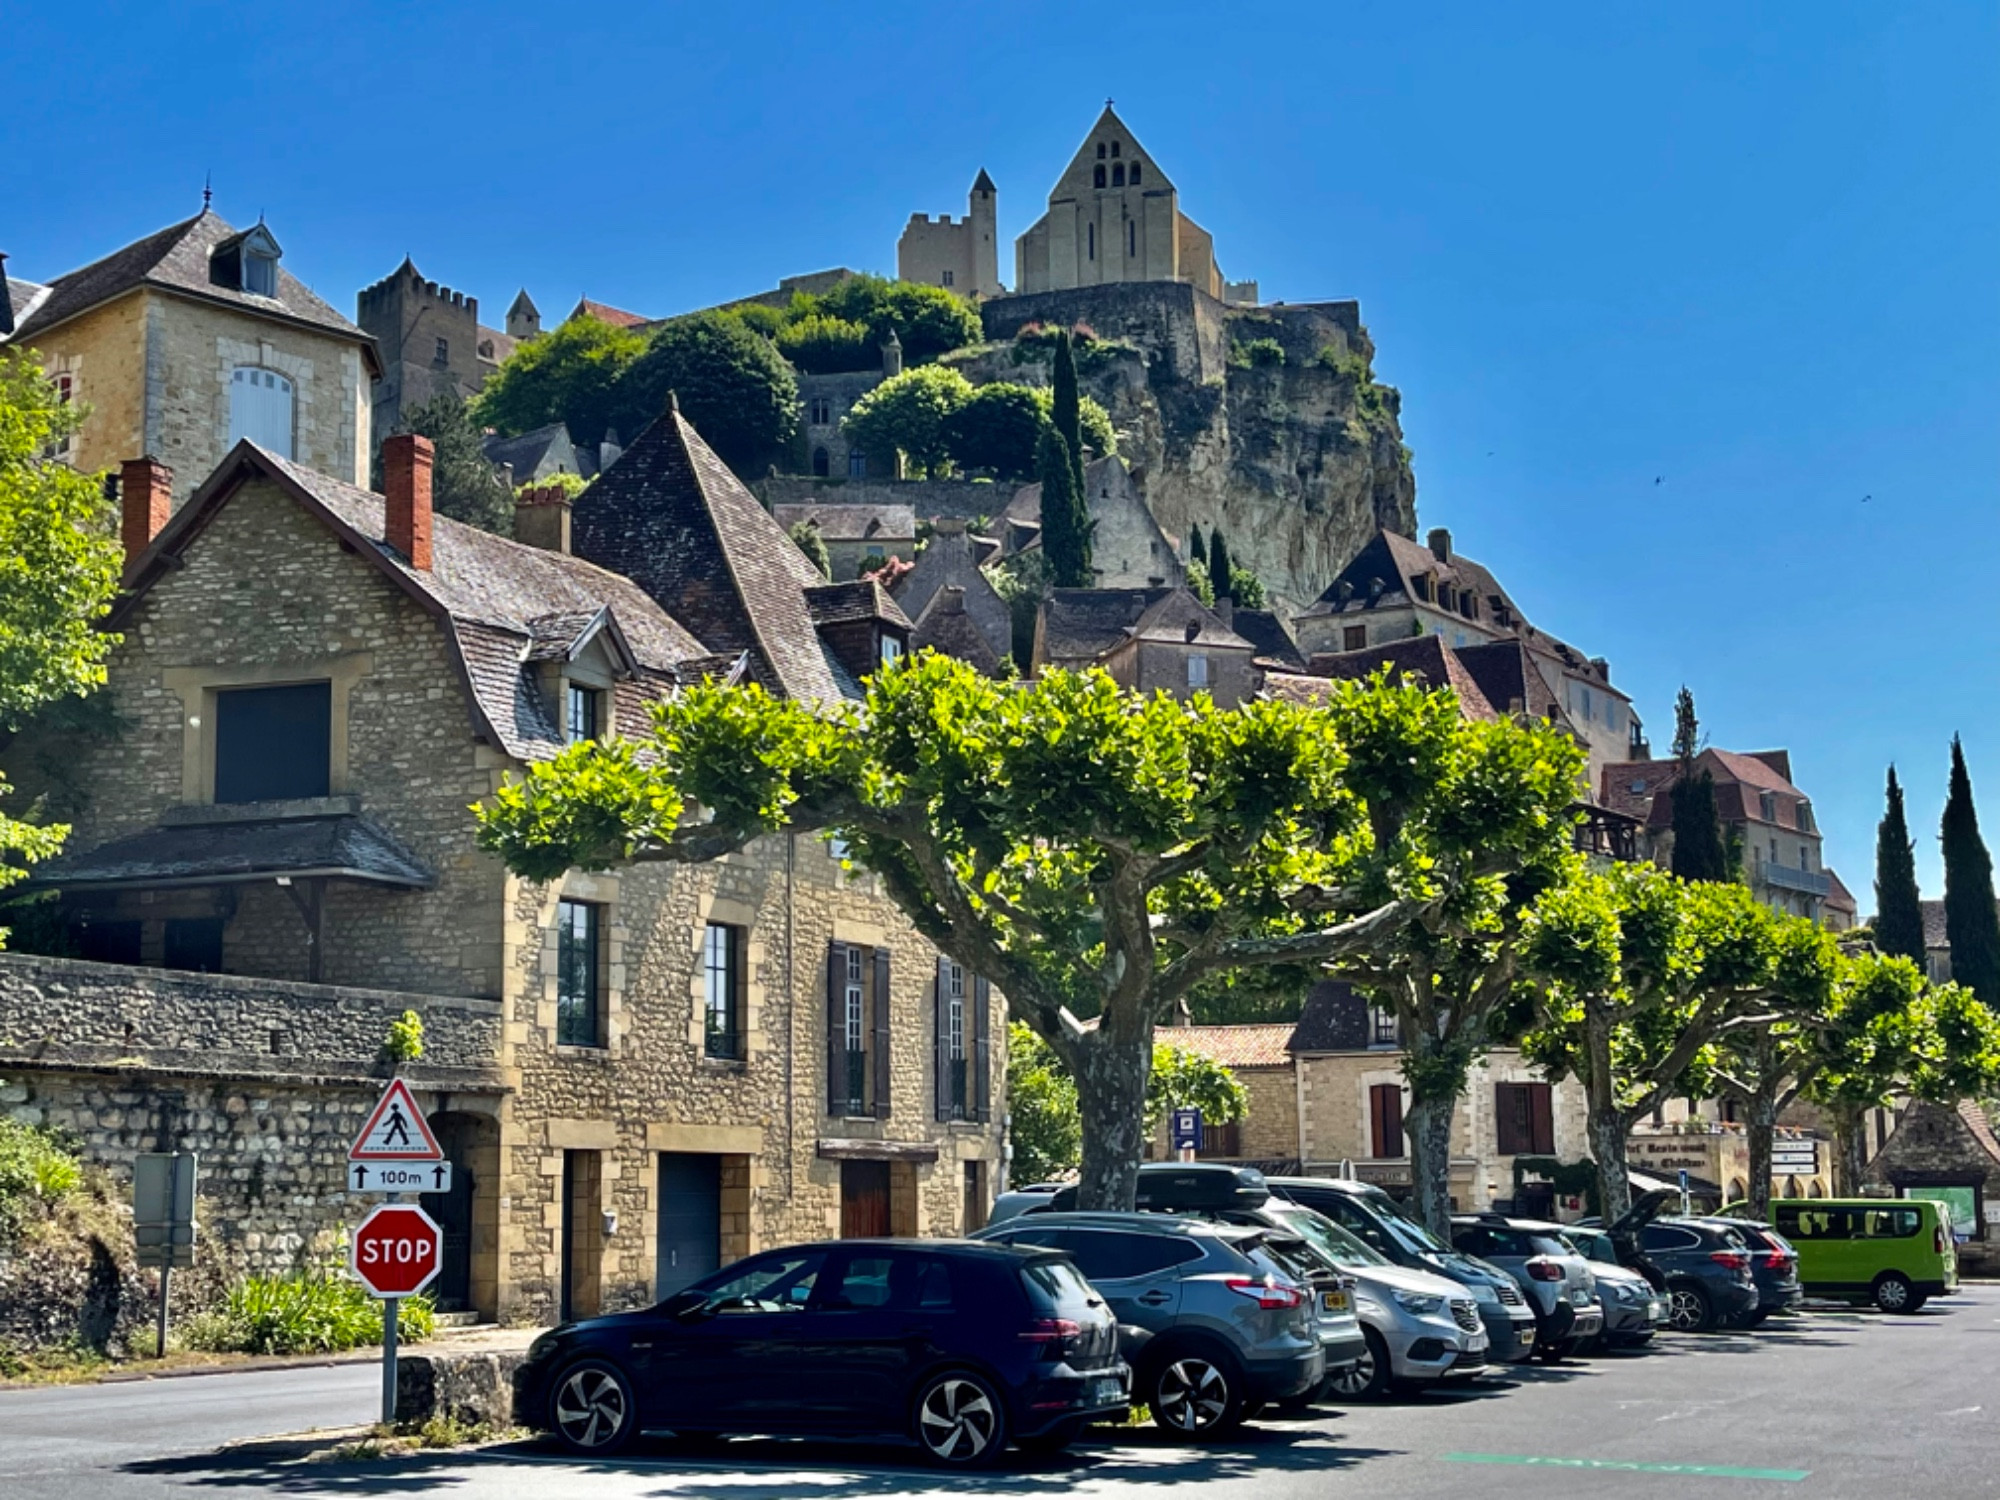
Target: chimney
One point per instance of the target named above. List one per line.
(1602, 667)
(541, 517)
(1225, 611)
(1440, 541)
(951, 600)
(406, 513)
(145, 500)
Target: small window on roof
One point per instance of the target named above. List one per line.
(260, 274)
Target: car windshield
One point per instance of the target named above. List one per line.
(1412, 1234)
(1328, 1238)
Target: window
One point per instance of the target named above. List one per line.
(1774, 851)
(722, 969)
(1668, 1237)
(577, 924)
(1383, 1028)
(822, 465)
(1118, 175)
(1802, 814)
(260, 274)
(857, 464)
(273, 743)
(118, 943)
(580, 718)
(1098, 177)
(1525, 1119)
(1106, 1255)
(1805, 856)
(1767, 806)
(776, 1283)
(1385, 1122)
(822, 411)
(1354, 638)
(1100, 150)
(1090, 234)
(1114, 150)
(1131, 236)
(194, 944)
(951, 1042)
(947, 278)
(260, 409)
(65, 386)
(1586, 705)
(443, 355)
(877, 553)
(892, 650)
(1135, 174)
(1197, 671)
(858, 998)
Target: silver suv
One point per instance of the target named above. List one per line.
(1554, 1279)
(1211, 1323)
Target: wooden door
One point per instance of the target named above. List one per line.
(864, 1199)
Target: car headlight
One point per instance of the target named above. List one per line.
(1481, 1292)
(1419, 1303)
(542, 1345)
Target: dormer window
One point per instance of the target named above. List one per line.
(260, 275)
(247, 262)
(581, 713)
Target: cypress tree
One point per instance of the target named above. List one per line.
(1971, 925)
(1218, 566)
(1065, 542)
(1066, 406)
(1197, 548)
(1899, 915)
(1699, 850)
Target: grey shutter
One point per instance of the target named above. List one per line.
(982, 1051)
(880, 1041)
(836, 1029)
(941, 1047)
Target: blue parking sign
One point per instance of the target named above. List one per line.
(1187, 1130)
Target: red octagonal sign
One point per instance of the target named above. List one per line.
(397, 1250)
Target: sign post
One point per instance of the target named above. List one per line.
(399, 1249)
(163, 1218)
(1187, 1133)
(1684, 1192)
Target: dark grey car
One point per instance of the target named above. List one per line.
(1212, 1324)
(1555, 1279)
(1703, 1267)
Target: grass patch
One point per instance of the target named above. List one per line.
(311, 1313)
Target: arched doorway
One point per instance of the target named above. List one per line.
(822, 464)
(468, 1214)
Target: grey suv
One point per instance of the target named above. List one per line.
(1211, 1323)
(1555, 1280)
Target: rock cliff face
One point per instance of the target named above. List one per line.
(1264, 421)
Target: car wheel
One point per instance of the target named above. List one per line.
(961, 1421)
(1369, 1379)
(1689, 1310)
(1195, 1393)
(1894, 1294)
(1054, 1440)
(593, 1410)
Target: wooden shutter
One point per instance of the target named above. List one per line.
(1385, 1120)
(982, 1050)
(879, 1043)
(1541, 1120)
(836, 1029)
(941, 1041)
(1510, 1119)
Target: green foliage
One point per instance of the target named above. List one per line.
(1247, 997)
(997, 428)
(822, 345)
(1184, 1079)
(732, 385)
(37, 1172)
(1221, 573)
(465, 485)
(1066, 408)
(60, 566)
(1899, 916)
(1021, 580)
(910, 413)
(758, 318)
(1197, 548)
(405, 1041)
(1371, 400)
(571, 374)
(1246, 588)
(571, 485)
(1257, 353)
(927, 320)
(805, 536)
(1094, 422)
(313, 1312)
(1065, 517)
(1971, 924)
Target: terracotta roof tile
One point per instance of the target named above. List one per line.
(604, 312)
(1264, 1046)
(1426, 657)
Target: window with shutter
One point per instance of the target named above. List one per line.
(839, 958)
(982, 1050)
(1524, 1119)
(260, 409)
(1385, 1121)
(879, 1042)
(941, 1038)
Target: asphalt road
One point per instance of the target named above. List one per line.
(1834, 1404)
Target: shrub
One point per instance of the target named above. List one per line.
(822, 345)
(570, 484)
(310, 1313)
(1354, 369)
(405, 1041)
(37, 1172)
(805, 536)
(908, 414)
(928, 320)
(758, 318)
(997, 428)
(1098, 434)
(570, 374)
(1263, 353)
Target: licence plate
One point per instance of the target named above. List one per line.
(1656, 1312)
(1107, 1392)
(1333, 1302)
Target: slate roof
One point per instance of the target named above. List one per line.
(850, 603)
(1082, 624)
(176, 259)
(1506, 676)
(1269, 637)
(1334, 1019)
(671, 517)
(22, 296)
(1427, 657)
(853, 523)
(1263, 1046)
(490, 590)
(946, 628)
(527, 452)
(343, 846)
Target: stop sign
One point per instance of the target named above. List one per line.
(397, 1250)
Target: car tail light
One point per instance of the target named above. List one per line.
(1053, 1334)
(1545, 1270)
(1774, 1260)
(1268, 1293)
(1734, 1260)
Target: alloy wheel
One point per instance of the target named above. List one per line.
(1193, 1395)
(957, 1421)
(1686, 1310)
(591, 1411)
(1893, 1294)
(1355, 1380)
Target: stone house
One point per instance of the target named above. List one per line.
(948, 562)
(858, 537)
(824, 402)
(193, 338)
(1937, 942)
(1257, 1056)
(639, 1073)
(1157, 639)
(537, 455)
(1947, 1151)
(963, 257)
(431, 343)
(1128, 550)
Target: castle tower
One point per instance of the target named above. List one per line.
(964, 256)
(982, 219)
(524, 319)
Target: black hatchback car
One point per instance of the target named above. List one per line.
(958, 1347)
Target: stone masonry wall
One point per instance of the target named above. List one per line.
(104, 353)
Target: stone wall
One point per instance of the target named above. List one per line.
(1941, 1145)
(104, 354)
(965, 499)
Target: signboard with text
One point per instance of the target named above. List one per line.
(397, 1251)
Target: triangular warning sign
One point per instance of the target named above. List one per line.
(396, 1130)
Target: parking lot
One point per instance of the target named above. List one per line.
(1835, 1403)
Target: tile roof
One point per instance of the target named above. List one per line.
(1634, 786)
(176, 259)
(946, 628)
(1268, 636)
(604, 312)
(344, 846)
(1838, 894)
(671, 517)
(853, 523)
(1264, 1046)
(491, 590)
(1082, 624)
(1980, 1125)
(1426, 657)
(1506, 676)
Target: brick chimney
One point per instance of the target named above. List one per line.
(406, 475)
(541, 517)
(1440, 541)
(145, 500)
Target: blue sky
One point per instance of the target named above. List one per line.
(1747, 251)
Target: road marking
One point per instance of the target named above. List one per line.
(1703, 1471)
(1960, 1411)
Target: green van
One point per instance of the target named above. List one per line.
(1894, 1252)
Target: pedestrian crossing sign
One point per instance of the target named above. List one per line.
(396, 1130)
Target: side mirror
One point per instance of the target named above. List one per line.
(685, 1306)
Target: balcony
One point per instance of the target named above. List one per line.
(1607, 834)
(1787, 878)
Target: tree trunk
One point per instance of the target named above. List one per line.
(1111, 1072)
(1607, 1122)
(1763, 1124)
(1428, 1125)
(1850, 1149)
